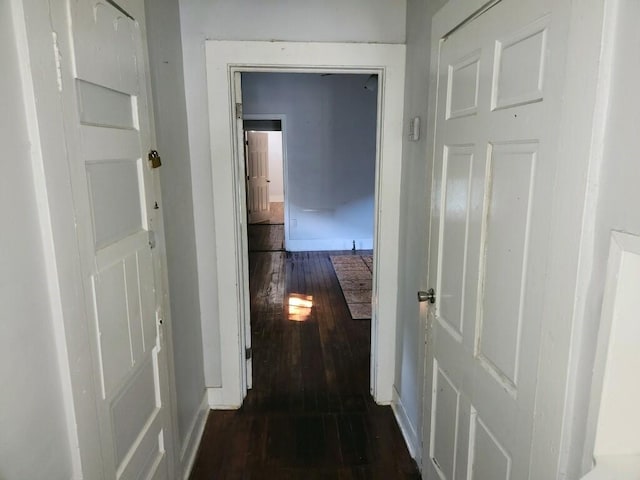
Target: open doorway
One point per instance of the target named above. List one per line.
(264, 156)
(228, 313)
(320, 292)
(264, 165)
(330, 148)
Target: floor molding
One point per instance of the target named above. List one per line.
(294, 245)
(406, 427)
(189, 449)
(217, 397)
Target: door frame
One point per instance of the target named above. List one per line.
(555, 451)
(223, 60)
(285, 172)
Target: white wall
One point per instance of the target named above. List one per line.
(305, 20)
(331, 152)
(409, 378)
(276, 172)
(34, 442)
(614, 187)
(165, 58)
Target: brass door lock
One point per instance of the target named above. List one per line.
(154, 159)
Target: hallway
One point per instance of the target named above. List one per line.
(309, 414)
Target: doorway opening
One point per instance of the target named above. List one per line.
(264, 160)
(322, 166)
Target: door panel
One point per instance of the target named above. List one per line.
(493, 178)
(104, 107)
(446, 415)
(505, 255)
(490, 459)
(458, 174)
(114, 192)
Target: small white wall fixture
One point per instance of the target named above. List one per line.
(225, 59)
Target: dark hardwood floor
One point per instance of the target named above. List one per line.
(264, 237)
(309, 414)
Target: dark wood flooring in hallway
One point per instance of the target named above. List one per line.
(309, 414)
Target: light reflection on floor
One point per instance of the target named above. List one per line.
(299, 307)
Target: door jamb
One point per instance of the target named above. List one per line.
(240, 206)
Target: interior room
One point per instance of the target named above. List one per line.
(329, 178)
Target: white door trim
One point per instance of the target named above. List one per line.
(285, 171)
(223, 59)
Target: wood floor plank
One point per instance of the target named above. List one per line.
(309, 414)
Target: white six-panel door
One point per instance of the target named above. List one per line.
(257, 176)
(114, 206)
(499, 78)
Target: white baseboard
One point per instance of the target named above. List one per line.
(328, 244)
(192, 440)
(408, 430)
(217, 397)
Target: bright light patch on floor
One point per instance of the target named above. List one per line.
(299, 307)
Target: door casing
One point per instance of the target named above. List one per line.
(223, 60)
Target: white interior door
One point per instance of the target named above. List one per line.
(499, 78)
(114, 201)
(257, 176)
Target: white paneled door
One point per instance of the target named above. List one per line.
(257, 176)
(115, 203)
(499, 78)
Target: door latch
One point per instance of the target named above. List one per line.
(154, 159)
(428, 296)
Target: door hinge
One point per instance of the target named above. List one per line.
(152, 239)
(239, 111)
(248, 353)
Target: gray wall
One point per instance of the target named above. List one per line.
(165, 58)
(409, 379)
(34, 441)
(331, 149)
(305, 20)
